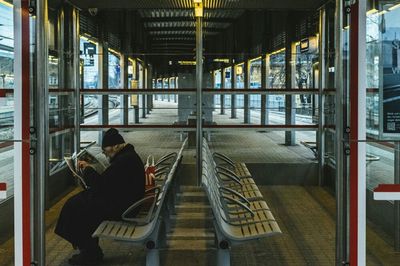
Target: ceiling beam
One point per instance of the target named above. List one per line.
(185, 19)
(212, 4)
(182, 35)
(172, 44)
(209, 29)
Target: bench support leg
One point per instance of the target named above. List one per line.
(153, 257)
(223, 257)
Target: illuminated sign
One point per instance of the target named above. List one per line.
(187, 63)
(304, 45)
(221, 60)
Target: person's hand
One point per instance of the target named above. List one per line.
(83, 164)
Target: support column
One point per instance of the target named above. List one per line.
(290, 103)
(41, 108)
(144, 87)
(149, 84)
(397, 203)
(125, 85)
(233, 96)
(22, 158)
(264, 116)
(341, 196)
(357, 93)
(136, 107)
(103, 100)
(176, 87)
(168, 88)
(246, 98)
(199, 85)
(222, 88)
(126, 49)
(321, 97)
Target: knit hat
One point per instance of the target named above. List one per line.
(112, 137)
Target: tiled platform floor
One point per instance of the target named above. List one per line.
(305, 215)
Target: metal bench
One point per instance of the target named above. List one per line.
(237, 219)
(149, 228)
(312, 145)
(240, 169)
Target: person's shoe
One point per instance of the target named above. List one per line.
(87, 258)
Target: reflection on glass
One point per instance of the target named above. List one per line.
(276, 79)
(306, 77)
(114, 71)
(255, 82)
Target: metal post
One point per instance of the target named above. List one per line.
(144, 87)
(246, 98)
(199, 96)
(22, 159)
(75, 68)
(263, 110)
(321, 97)
(42, 124)
(136, 110)
(222, 88)
(290, 111)
(341, 195)
(357, 166)
(125, 98)
(149, 83)
(397, 203)
(233, 96)
(103, 101)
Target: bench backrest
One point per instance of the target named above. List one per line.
(166, 184)
(156, 208)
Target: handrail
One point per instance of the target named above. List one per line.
(209, 91)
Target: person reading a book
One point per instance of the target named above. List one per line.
(108, 195)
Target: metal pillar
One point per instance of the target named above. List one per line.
(263, 111)
(341, 195)
(321, 97)
(222, 88)
(136, 110)
(199, 95)
(149, 81)
(22, 159)
(42, 129)
(176, 87)
(290, 103)
(103, 102)
(397, 203)
(76, 77)
(246, 98)
(144, 87)
(233, 96)
(125, 98)
(357, 169)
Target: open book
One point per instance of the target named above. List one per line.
(98, 164)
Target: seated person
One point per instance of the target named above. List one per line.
(108, 196)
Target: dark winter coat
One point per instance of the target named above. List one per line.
(108, 196)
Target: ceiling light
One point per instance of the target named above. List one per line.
(198, 8)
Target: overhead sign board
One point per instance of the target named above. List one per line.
(304, 45)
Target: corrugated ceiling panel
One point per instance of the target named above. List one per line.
(213, 4)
